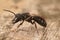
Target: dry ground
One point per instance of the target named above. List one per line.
(48, 9)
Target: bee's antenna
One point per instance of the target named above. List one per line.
(9, 11)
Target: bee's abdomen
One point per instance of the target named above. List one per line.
(40, 21)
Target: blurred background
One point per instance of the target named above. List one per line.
(47, 9)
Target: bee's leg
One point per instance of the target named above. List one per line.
(20, 24)
(35, 26)
(16, 29)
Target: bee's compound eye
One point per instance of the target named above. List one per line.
(14, 20)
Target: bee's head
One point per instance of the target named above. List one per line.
(16, 18)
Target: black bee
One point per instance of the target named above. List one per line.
(27, 17)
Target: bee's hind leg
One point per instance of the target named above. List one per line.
(35, 26)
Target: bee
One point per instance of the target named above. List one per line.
(27, 17)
